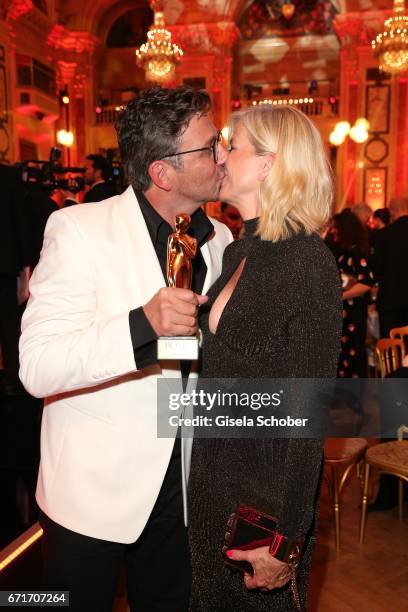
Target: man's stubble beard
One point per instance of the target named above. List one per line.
(200, 193)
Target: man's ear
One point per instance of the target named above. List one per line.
(266, 166)
(161, 174)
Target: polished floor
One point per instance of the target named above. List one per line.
(372, 577)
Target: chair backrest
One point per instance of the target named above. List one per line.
(401, 430)
(389, 353)
(400, 333)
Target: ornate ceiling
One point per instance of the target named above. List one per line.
(261, 17)
(97, 15)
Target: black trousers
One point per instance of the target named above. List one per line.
(390, 319)
(157, 565)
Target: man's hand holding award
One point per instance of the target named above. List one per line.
(172, 312)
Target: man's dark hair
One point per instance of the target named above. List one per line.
(150, 128)
(383, 214)
(100, 163)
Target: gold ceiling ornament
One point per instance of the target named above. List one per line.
(158, 56)
(391, 46)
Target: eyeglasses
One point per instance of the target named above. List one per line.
(213, 147)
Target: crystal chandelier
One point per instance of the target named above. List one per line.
(391, 46)
(158, 56)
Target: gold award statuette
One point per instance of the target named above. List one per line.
(181, 248)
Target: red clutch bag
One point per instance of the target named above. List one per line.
(249, 528)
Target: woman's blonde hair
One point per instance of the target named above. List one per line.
(298, 191)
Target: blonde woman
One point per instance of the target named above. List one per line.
(274, 312)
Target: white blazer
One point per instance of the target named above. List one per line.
(102, 464)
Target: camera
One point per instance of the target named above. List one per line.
(47, 176)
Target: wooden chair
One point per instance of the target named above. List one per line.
(389, 354)
(340, 456)
(400, 333)
(388, 458)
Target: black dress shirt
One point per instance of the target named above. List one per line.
(169, 502)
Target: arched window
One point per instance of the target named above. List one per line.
(129, 30)
(265, 19)
(41, 5)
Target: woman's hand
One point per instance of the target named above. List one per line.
(269, 573)
(357, 290)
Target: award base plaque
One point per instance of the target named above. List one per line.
(177, 347)
(181, 248)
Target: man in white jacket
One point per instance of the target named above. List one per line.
(110, 491)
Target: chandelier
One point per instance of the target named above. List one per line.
(391, 46)
(158, 56)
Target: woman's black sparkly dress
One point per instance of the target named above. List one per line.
(282, 320)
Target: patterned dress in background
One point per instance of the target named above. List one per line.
(353, 360)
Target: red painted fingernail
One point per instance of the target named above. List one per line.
(229, 554)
